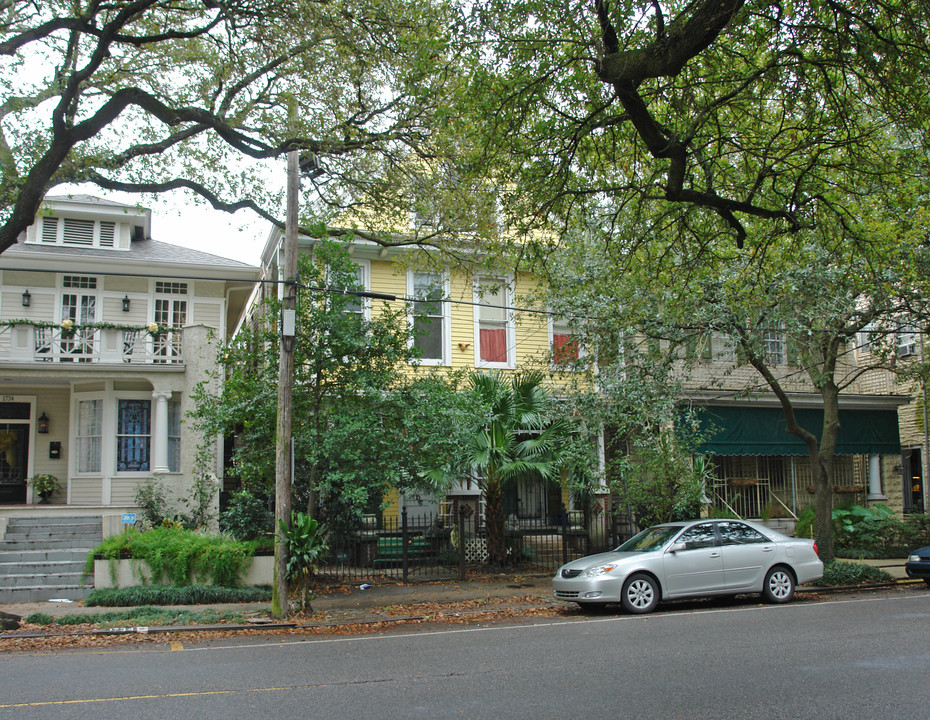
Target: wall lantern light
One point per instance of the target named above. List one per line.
(27, 298)
(43, 424)
(125, 303)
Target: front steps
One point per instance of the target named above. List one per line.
(43, 558)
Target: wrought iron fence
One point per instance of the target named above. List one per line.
(433, 547)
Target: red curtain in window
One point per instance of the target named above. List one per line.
(493, 345)
(564, 348)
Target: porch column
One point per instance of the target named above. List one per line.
(160, 432)
(875, 478)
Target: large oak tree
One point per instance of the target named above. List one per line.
(727, 166)
(156, 95)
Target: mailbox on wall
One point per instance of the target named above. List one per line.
(54, 450)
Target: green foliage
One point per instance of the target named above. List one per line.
(39, 618)
(152, 501)
(147, 616)
(721, 512)
(877, 532)
(871, 532)
(840, 572)
(179, 556)
(381, 73)
(804, 527)
(44, 484)
(518, 439)
(660, 481)
(366, 418)
(175, 595)
(199, 502)
(305, 541)
(247, 517)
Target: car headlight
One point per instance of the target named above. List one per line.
(599, 569)
(913, 558)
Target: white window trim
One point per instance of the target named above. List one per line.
(445, 360)
(509, 323)
(553, 321)
(73, 463)
(365, 267)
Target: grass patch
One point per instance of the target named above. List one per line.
(847, 573)
(175, 595)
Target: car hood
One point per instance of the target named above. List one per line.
(602, 558)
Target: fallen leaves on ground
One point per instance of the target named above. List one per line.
(83, 637)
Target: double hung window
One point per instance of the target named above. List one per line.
(429, 316)
(495, 322)
(89, 436)
(564, 346)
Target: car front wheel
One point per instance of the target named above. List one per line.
(779, 585)
(640, 594)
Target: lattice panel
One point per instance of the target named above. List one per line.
(476, 550)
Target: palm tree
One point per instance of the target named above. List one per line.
(518, 440)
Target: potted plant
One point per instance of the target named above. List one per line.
(44, 485)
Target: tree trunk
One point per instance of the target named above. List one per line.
(822, 469)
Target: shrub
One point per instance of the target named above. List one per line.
(247, 517)
(871, 532)
(178, 555)
(40, 618)
(141, 595)
(847, 573)
(152, 500)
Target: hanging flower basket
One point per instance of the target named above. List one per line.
(154, 330)
(742, 482)
(67, 329)
(847, 488)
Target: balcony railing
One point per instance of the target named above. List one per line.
(35, 343)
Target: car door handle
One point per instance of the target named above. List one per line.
(767, 548)
(714, 555)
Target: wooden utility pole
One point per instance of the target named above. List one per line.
(283, 463)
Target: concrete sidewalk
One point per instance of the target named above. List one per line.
(361, 603)
(349, 603)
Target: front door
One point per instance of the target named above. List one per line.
(14, 460)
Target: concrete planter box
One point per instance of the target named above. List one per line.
(131, 572)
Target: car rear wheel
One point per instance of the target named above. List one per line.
(778, 586)
(640, 594)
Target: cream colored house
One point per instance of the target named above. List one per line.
(104, 334)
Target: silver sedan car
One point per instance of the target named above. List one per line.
(687, 559)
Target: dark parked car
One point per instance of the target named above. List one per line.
(918, 565)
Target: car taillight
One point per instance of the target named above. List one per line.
(816, 551)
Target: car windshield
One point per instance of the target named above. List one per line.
(649, 539)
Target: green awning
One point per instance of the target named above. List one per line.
(735, 430)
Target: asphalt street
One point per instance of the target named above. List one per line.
(848, 655)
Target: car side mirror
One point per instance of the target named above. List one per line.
(675, 547)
